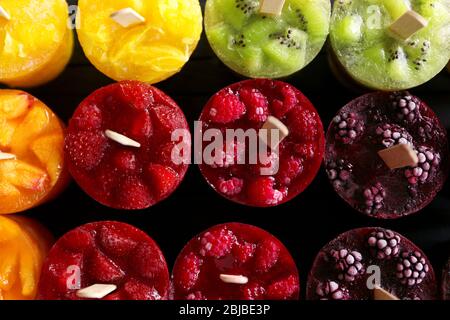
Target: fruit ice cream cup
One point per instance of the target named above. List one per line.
(258, 43)
(235, 261)
(387, 154)
(36, 41)
(140, 40)
(32, 166)
(347, 268)
(390, 45)
(25, 245)
(104, 260)
(282, 173)
(120, 147)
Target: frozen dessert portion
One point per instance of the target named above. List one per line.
(260, 45)
(372, 41)
(387, 154)
(371, 264)
(140, 40)
(265, 176)
(119, 145)
(235, 261)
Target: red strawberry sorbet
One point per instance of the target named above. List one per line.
(120, 176)
(248, 105)
(106, 253)
(238, 250)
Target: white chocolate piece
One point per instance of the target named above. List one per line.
(271, 7)
(228, 278)
(273, 123)
(121, 139)
(4, 14)
(408, 24)
(96, 291)
(7, 156)
(127, 17)
(399, 156)
(381, 294)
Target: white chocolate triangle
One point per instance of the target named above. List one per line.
(127, 17)
(121, 139)
(235, 279)
(96, 291)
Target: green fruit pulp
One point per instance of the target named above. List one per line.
(375, 58)
(250, 44)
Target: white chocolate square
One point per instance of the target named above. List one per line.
(127, 17)
(408, 24)
(271, 7)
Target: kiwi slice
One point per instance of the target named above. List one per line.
(374, 58)
(257, 45)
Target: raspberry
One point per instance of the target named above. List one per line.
(190, 270)
(289, 170)
(88, 117)
(136, 290)
(147, 261)
(113, 242)
(303, 124)
(102, 269)
(253, 291)
(86, 149)
(217, 243)
(231, 187)
(289, 97)
(133, 193)
(135, 94)
(124, 160)
(77, 240)
(163, 179)
(231, 154)
(261, 191)
(283, 289)
(197, 295)
(226, 107)
(243, 251)
(256, 103)
(266, 255)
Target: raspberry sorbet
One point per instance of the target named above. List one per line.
(380, 122)
(235, 261)
(119, 145)
(256, 104)
(106, 253)
(343, 267)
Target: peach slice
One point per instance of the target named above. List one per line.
(44, 148)
(23, 175)
(13, 106)
(8, 267)
(6, 132)
(34, 123)
(8, 190)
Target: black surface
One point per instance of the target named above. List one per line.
(304, 224)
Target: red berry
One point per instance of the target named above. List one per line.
(86, 148)
(283, 289)
(289, 170)
(88, 117)
(133, 193)
(231, 187)
(78, 240)
(168, 118)
(136, 290)
(253, 291)
(289, 97)
(163, 179)
(189, 271)
(102, 269)
(303, 124)
(147, 261)
(243, 251)
(169, 154)
(225, 107)
(266, 255)
(113, 242)
(124, 160)
(256, 104)
(262, 193)
(135, 94)
(141, 125)
(217, 243)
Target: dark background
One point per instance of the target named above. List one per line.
(304, 224)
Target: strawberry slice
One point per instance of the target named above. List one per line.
(102, 269)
